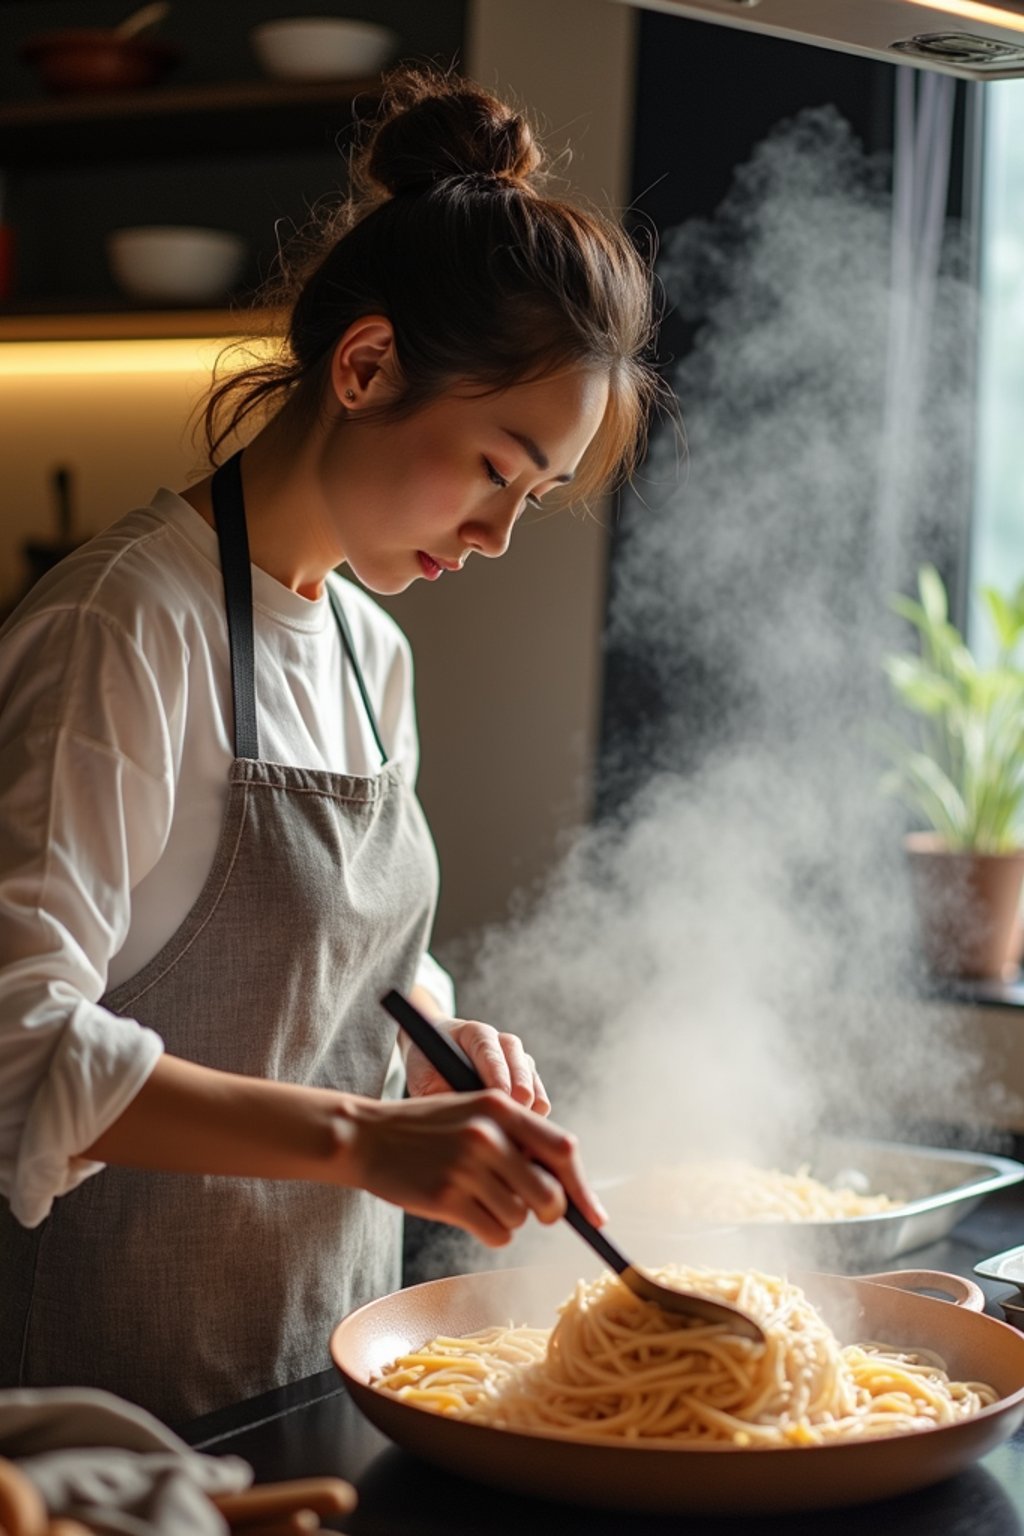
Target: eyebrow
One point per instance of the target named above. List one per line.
(538, 457)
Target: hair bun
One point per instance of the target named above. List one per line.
(431, 127)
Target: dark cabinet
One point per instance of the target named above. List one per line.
(215, 145)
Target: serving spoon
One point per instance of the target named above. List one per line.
(451, 1061)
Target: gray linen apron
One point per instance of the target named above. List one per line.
(185, 1293)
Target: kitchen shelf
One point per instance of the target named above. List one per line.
(137, 324)
(225, 117)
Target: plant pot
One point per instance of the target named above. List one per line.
(967, 905)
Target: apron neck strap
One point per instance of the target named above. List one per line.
(350, 652)
(233, 538)
(229, 516)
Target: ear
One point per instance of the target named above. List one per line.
(363, 366)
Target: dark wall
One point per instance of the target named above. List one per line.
(706, 95)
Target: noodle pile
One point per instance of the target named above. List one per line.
(732, 1190)
(615, 1369)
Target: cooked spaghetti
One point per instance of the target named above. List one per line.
(729, 1189)
(617, 1370)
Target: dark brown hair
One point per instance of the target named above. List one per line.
(448, 232)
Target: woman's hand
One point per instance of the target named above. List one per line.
(500, 1059)
(467, 1159)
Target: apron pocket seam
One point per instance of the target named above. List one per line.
(132, 998)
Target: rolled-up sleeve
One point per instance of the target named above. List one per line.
(86, 796)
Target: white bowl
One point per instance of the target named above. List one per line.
(321, 47)
(175, 263)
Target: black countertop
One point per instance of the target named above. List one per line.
(313, 1429)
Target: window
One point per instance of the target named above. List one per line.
(997, 540)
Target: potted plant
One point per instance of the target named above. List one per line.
(961, 770)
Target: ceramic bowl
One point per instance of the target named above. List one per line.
(175, 263)
(321, 48)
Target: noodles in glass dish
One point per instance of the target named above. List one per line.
(616, 1370)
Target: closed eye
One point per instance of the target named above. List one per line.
(499, 480)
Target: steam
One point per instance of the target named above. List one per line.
(727, 964)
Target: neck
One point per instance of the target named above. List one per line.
(292, 534)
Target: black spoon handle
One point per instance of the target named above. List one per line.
(448, 1058)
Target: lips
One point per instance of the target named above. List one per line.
(432, 568)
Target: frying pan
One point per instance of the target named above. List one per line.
(680, 1479)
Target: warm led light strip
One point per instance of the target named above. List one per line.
(974, 10)
(27, 359)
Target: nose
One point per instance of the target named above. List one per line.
(492, 535)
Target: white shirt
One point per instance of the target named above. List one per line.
(115, 743)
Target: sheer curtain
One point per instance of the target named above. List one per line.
(923, 139)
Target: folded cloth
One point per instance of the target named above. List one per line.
(100, 1460)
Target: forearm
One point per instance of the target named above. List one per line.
(191, 1119)
(470, 1159)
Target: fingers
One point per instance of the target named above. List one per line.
(505, 1181)
(503, 1062)
(522, 1070)
(500, 1205)
(483, 1046)
(558, 1150)
(477, 1220)
(541, 1103)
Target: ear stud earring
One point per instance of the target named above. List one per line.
(350, 394)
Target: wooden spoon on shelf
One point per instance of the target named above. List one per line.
(145, 16)
(269, 1507)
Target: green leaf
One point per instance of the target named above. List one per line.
(1004, 617)
(962, 664)
(919, 686)
(933, 595)
(909, 610)
(963, 772)
(926, 789)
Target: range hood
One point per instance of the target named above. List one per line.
(972, 39)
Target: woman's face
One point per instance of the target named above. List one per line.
(416, 497)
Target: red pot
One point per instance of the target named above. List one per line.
(81, 60)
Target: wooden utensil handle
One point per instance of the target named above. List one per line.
(301, 1522)
(272, 1501)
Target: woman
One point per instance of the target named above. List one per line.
(212, 861)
